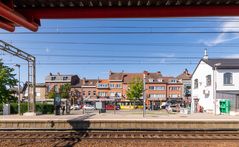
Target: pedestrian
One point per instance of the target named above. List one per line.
(63, 107)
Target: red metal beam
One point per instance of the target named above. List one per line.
(17, 18)
(7, 26)
(131, 12)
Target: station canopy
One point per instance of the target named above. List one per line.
(28, 13)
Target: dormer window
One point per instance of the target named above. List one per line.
(151, 80)
(65, 78)
(173, 81)
(160, 80)
(53, 78)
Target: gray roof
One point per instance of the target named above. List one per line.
(226, 63)
(86, 83)
(59, 78)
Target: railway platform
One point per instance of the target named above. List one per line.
(121, 121)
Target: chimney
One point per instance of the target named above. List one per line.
(146, 72)
(186, 71)
(84, 79)
(50, 74)
(205, 57)
(58, 74)
(110, 72)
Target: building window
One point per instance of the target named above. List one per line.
(151, 80)
(160, 80)
(174, 88)
(53, 78)
(48, 88)
(227, 78)
(112, 85)
(159, 88)
(56, 88)
(115, 94)
(173, 81)
(151, 87)
(65, 78)
(118, 85)
(102, 85)
(89, 92)
(156, 87)
(174, 95)
(195, 83)
(157, 95)
(94, 93)
(83, 92)
(102, 94)
(38, 94)
(208, 80)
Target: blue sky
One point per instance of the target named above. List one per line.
(153, 48)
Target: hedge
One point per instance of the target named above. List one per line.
(40, 107)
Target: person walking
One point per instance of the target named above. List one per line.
(63, 107)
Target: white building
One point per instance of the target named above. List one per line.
(215, 79)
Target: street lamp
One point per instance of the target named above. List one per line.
(215, 86)
(17, 65)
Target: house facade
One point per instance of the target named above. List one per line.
(54, 81)
(213, 80)
(185, 78)
(84, 90)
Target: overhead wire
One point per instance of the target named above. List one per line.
(118, 33)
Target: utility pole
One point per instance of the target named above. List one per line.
(19, 94)
(215, 86)
(31, 72)
(144, 98)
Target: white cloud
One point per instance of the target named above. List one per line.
(47, 50)
(232, 56)
(231, 26)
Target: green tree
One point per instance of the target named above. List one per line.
(51, 94)
(65, 90)
(7, 82)
(135, 90)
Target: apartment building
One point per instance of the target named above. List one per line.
(116, 84)
(174, 88)
(85, 89)
(54, 81)
(103, 89)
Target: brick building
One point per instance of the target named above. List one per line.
(55, 81)
(84, 90)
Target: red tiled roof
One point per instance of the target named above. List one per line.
(185, 75)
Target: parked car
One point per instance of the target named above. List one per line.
(75, 107)
(88, 107)
(111, 107)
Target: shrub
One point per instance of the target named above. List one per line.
(1, 107)
(40, 107)
(47, 109)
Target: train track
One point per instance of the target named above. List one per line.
(101, 138)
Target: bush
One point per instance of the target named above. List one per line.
(47, 109)
(40, 107)
(1, 107)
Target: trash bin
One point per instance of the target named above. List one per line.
(102, 111)
(6, 109)
(225, 106)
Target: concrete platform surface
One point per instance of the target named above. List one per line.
(130, 120)
(125, 115)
